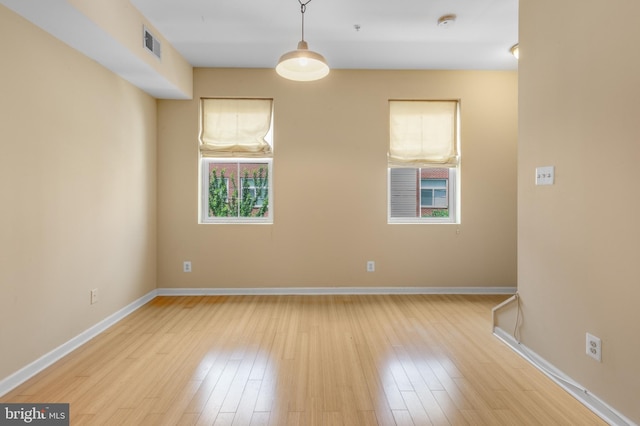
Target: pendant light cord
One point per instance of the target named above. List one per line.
(303, 9)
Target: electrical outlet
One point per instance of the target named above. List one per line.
(94, 296)
(594, 347)
(371, 266)
(186, 266)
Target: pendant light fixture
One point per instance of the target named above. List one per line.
(302, 64)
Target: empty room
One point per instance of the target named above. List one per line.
(319, 213)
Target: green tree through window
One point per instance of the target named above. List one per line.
(251, 199)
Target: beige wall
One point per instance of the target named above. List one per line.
(77, 187)
(331, 140)
(579, 240)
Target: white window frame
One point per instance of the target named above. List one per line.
(204, 192)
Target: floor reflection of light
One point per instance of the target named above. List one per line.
(393, 380)
(264, 370)
(407, 379)
(245, 367)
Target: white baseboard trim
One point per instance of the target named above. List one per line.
(43, 362)
(25, 373)
(295, 291)
(592, 402)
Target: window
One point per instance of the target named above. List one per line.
(255, 189)
(236, 190)
(236, 161)
(423, 162)
(433, 193)
(421, 194)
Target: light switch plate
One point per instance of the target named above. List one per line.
(545, 175)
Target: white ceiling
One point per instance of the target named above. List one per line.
(400, 34)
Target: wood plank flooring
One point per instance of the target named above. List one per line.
(304, 360)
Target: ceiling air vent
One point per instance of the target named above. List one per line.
(151, 43)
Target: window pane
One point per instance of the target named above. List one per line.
(427, 198)
(222, 197)
(424, 194)
(257, 191)
(431, 193)
(254, 192)
(434, 183)
(238, 189)
(440, 198)
(403, 197)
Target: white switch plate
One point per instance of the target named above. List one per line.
(186, 266)
(545, 175)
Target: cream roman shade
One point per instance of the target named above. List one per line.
(235, 127)
(423, 133)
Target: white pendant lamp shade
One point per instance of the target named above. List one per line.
(302, 64)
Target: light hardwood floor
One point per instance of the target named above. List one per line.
(304, 360)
